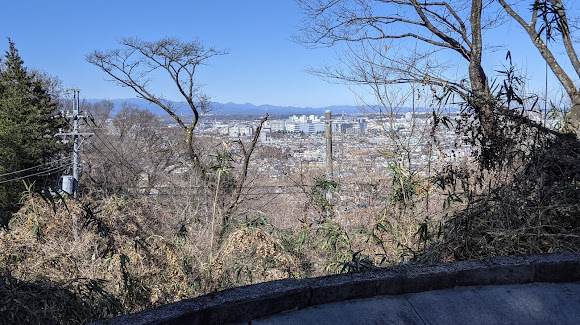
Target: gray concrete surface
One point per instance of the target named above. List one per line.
(537, 303)
(469, 292)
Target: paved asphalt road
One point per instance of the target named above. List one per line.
(536, 303)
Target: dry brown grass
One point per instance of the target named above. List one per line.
(142, 260)
(534, 210)
(123, 254)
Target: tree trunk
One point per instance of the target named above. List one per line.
(563, 77)
(574, 114)
(481, 98)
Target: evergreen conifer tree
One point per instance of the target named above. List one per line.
(27, 126)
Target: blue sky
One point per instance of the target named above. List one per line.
(264, 66)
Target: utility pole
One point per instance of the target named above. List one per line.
(328, 122)
(71, 184)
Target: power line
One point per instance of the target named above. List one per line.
(118, 160)
(118, 156)
(197, 187)
(47, 172)
(109, 145)
(34, 167)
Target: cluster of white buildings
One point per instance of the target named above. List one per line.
(308, 124)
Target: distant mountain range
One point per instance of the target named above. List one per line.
(238, 109)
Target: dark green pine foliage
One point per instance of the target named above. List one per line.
(28, 122)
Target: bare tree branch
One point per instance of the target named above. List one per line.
(132, 67)
(561, 21)
(244, 169)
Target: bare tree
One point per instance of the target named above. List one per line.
(98, 113)
(133, 66)
(146, 142)
(436, 29)
(438, 25)
(394, 42)
(549, 17)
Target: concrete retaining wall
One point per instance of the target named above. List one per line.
(261, 300)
